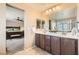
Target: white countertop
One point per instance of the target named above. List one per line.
(59, 34)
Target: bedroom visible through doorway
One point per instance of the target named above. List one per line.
(14, 29)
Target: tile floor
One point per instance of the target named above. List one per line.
(32, 51)
(16, 47)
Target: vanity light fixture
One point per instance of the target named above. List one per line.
(53, 9)
(50, 10)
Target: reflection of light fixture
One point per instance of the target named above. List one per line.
(50, 10)
(53, 9)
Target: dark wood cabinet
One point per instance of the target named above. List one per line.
(68, 46)
(55, 45)
(47, 43)
(37, 40)
(42, 37)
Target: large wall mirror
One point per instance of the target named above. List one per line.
(63, 21)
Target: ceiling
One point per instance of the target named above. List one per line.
(39, 7)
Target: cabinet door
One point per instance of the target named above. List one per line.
(42, 41)
(37, 40)
(55, 45)
(47, 43)
(68, 46)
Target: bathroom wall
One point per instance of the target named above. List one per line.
(30, 26)
(2, 28)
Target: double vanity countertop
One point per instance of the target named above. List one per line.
(69, 35)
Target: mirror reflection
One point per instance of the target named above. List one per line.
(63, 20)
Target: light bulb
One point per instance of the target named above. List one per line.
(50, 10)
(53, 9)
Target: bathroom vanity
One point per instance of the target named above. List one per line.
(60, 35)
(57, 45)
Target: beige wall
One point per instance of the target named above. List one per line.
(2, 29)
(30, 23)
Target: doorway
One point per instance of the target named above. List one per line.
(14, 29)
